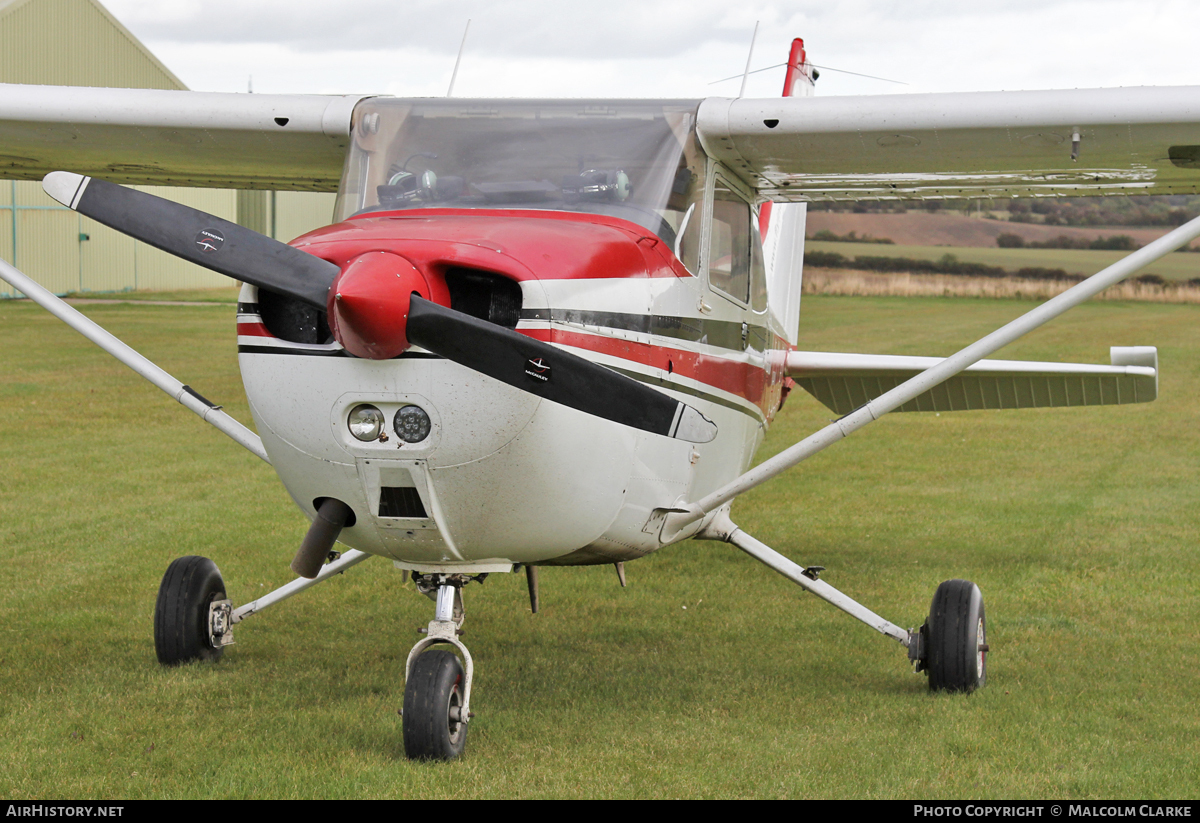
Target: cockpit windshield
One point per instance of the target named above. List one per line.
(633, 159)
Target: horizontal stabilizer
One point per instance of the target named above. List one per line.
(843, 382)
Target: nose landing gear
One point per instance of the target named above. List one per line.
(437, 691)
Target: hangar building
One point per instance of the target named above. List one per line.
(79, 43)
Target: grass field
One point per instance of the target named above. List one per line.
(221, 295)
(1079, 525)
(1177, 266)
(857, 283)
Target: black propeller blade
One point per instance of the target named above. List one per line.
(200, 238)
(512, 358)
(547, 371)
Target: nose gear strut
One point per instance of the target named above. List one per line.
(437, 692)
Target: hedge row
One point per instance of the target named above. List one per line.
(1116, 242)
(949, 264)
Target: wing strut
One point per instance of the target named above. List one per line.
(186, 396)
(686, 520)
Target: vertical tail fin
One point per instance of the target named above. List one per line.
(782, 225)
(801, 76)
(799, 81)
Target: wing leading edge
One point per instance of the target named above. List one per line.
(176, 138)
(911, 146)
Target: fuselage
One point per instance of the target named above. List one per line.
(600, 227)
(504, 477)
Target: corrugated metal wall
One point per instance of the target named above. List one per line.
(67, 252)
(284, 215)
(7, 222)
(74, 43)
(298, 212)
(78, 43)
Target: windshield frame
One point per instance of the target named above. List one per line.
(636, 160)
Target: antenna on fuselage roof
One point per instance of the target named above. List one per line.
(457, 60)
(749, 57)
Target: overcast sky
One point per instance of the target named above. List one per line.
(663, 48)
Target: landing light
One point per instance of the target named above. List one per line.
(366, 422)
(411, 424)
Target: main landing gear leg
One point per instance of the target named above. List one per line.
(193, 620)
(437, 692)
(952, 645)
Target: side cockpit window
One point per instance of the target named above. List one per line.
(729, 245)
(687, 239)
(758, 269)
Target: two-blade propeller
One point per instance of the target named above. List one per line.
(551, 373)
(197, 237)
(520, 361)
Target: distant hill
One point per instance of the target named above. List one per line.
(923, 229)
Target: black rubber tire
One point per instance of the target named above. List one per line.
(181, 612)
(434, 685)
(956, 629)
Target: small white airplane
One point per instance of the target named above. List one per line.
(554, 332)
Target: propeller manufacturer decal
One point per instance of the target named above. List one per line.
(209, 240)
(538, 369)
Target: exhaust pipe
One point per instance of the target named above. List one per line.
(331, 518)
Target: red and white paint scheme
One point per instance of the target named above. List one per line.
(600, 287)
(592, 263)
(554, 332)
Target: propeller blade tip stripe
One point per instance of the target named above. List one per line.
(693, 426)
(65, 187)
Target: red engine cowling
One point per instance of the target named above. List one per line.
(386, 257)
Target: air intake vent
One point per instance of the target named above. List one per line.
(290, 319)
(482, 294)
(400, 501)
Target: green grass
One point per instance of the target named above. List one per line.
(1079, 525)
(1177, 266)
(226, 294)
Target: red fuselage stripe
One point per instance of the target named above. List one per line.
(742, 379)
(253, 330)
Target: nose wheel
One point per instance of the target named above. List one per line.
(437, 689)
(434, 725)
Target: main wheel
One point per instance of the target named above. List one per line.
(181, 612)
(433, 728)
(956, 638)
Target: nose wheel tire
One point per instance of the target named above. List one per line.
(956, 637)
(433, 723)
(181, 630)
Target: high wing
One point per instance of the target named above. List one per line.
(176, 138)
(1084, 141)
(911, 146)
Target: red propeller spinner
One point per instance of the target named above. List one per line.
(369, 304)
